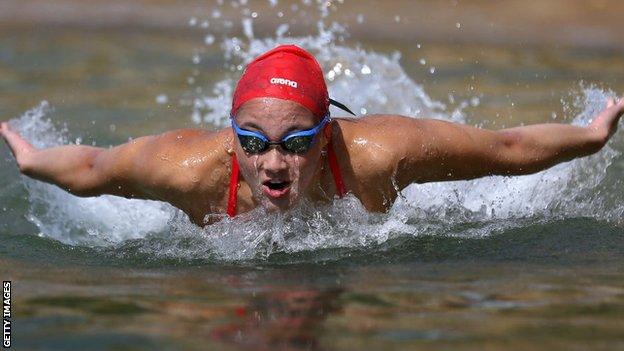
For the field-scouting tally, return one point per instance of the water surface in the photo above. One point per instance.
(516, 263)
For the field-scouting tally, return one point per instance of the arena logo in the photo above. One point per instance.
(284, 81)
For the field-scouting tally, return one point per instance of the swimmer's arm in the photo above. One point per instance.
(440, 151)
(80, 170)
(130, 170)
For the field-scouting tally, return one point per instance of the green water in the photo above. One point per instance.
(554, 284)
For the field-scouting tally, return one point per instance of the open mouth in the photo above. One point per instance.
(275, 189)
(276, 185)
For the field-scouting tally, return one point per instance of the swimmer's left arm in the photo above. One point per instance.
(433, 150)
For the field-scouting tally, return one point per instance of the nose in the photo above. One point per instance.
(274, 161)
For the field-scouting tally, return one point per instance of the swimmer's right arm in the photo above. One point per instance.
(125, 170)
(80, 170)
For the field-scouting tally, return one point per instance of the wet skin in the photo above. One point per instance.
(378, 156)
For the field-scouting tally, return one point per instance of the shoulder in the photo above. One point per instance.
(370, 150)
(379, 140)
(380, 130)
(182, 161)
(181, 143)
(187, 139)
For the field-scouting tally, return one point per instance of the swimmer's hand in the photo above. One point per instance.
(605, 124)
(19, 146)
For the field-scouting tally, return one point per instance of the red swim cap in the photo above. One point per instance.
(287, 72)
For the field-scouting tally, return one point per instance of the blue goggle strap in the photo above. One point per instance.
(249, 133)
(307, 132)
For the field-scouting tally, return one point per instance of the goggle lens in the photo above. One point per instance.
(252, 144)
(298, 144)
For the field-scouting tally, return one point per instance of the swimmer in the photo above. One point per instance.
(283, 146)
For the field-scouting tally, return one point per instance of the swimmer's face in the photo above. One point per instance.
(277, 177)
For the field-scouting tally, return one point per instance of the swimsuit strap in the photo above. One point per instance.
(335, 170)
(231, 207)
(341, 189)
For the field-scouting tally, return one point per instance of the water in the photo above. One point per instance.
(513, 263)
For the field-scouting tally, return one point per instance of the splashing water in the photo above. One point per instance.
(476, 208)
(364, 80)
(82, 221)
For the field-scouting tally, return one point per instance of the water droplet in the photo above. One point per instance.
(457, 25)
(282, 29)
(338, 68)
(255, 164)
(365, 70)
(363, 111)
(248, 28)
(196, 117)
(432, 70)
(209, 39)
(161, 99)
(192, 21)
(422, 62)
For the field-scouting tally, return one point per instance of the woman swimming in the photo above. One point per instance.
(284, 146)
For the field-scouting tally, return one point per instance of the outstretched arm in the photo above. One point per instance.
(81, 170)
(148, 167)
(433, 150)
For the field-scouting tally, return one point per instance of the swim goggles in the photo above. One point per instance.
(298, 142)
